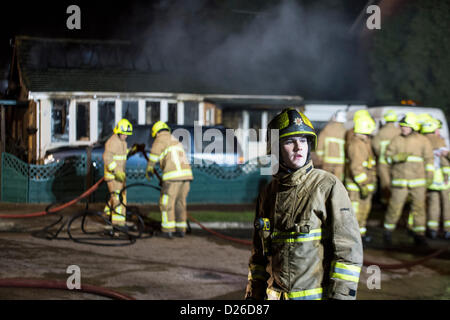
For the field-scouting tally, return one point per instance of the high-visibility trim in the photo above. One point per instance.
(117, 218)
(112, 166)
(153, 157)
(432, 224)
(320, 152)
(350, 186)
(447, 223)
(290, 237)
(366, 164)
(165, 223)
(177, 174)
(383, 147)
(419, 229)
(362, 230)
(412, 183)
(164, 199)
(361, 177)
(108, 175)
(355, 205)
(335, 160)
(389, 226)
(170, 149)
(414, 159)
(181, 224)
(346, 272)
(429, 167)
(311, 294)
(120, 157)
(446, 170)
(410, 219)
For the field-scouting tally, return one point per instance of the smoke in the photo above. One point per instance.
(280, 49)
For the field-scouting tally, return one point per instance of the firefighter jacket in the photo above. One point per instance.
(170, 154)
(382, 140)
(418, 168)
(310, 245)
(114, 156)
(331, 144)
(441, 164)
(361, 164)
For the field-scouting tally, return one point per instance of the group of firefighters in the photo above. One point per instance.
(409, 160)
(175, 181)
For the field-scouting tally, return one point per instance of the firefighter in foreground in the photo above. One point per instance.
(177, 174)
(306, 243)
(411, 158)
(114, 159)
(438, 191)
(360, 176)
(379, 145)
(331, 145)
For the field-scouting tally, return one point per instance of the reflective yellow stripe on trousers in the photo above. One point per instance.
(311, 294)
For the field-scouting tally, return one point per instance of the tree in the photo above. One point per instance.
(410, 55)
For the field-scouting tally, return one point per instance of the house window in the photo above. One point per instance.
(152, 112)
(190, 112)
(172, 113)
(60, 121)
(130, 111)
(106, 113)
(82, 119)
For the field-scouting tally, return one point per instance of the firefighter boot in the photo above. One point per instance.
(420, 241)
(179, 234)
(432, 234)
(447, 235)
(167, 235)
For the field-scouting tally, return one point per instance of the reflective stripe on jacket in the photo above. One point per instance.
(313, 249)
(382, 140)
(331, 143)
(361, 164)
(418, 167)
(114, 156)
(440, 163)
(170, 154)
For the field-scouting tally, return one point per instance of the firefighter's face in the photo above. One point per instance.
(294, 151)
(123, 137)
(405, 130)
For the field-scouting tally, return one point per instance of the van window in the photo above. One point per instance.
(130, 111)
(106, 118)
(60, 121)
(83, 122)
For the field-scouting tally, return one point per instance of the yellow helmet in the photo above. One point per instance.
(429, 126)
(364, 125)
(123, 127)
(361, 113)
(390, 116)
(410, 120)
(158, 126)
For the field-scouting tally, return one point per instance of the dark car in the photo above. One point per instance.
(203, 145)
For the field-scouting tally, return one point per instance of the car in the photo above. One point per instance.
(204, 145)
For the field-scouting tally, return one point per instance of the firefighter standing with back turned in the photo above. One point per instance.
(437, 193)
(177, 174)
(411, 158)
(331, 145)
(306, 242)
(360, 175)
(379, 145)
(114, 159)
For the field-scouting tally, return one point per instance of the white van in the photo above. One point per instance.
(377, 113)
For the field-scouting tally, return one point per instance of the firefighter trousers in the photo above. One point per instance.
(438, 205)
(416, 217)
(118, 216)
(361, 207)
(172, 203)
(384, 175)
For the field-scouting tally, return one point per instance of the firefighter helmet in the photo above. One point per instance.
(291, 122)
(410, 120)
(158, 126)
(364, 125)
(390, 116)
(123, 127)
(361, 113)
(429, 126)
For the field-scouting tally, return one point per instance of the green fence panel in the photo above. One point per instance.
(57, 182)
(14, 179)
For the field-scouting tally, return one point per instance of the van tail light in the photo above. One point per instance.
(241, 160)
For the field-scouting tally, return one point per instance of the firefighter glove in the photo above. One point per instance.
(364, 191)
(149, 173)
(120, 176)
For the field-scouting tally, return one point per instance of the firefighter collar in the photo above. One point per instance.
(296, 177)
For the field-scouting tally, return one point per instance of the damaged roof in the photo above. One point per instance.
(57, 65)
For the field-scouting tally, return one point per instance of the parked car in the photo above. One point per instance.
(203, 145)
